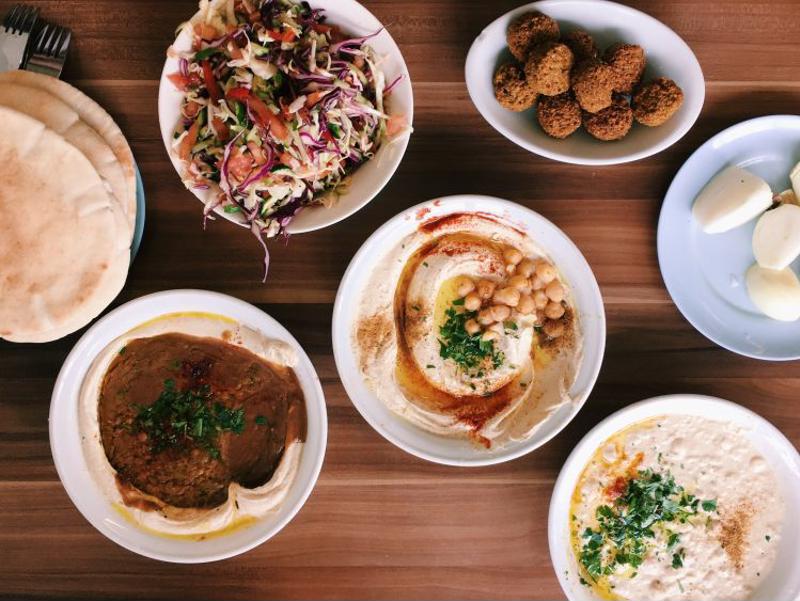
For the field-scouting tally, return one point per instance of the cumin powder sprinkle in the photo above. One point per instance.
(733, 536)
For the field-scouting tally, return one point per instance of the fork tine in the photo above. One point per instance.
(57, 41)
(62, 52)
(33, 16)
(11, 17)
(43, 39)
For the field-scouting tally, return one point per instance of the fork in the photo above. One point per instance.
(14, 34)
(49, 52)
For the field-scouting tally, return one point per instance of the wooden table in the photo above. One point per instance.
(380, 523)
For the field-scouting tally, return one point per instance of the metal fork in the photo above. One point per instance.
(49, 52)
(14, 34)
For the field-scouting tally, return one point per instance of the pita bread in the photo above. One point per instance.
(93, 115)
(63, 120)
(60, 261)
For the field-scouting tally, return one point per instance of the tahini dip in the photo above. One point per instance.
(709, 502)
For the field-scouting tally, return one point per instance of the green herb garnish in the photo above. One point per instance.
(181, 417)
(628, 528)
(231, 208)
(206, 52)
(260, 420)
(469, 351)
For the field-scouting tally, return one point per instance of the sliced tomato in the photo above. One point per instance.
(240, 165)
(221, 129)
(206, 31)
(179, 80)
(395, 124)
(211, 83)
(286, 158)
(240, 94)
(314, 98)
(189, 140)
(258, 153)
(191, 109)
(328, 137)
(282, 36)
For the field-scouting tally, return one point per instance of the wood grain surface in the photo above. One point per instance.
(380, 523)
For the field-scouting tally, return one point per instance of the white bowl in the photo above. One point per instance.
(65, 436)
(608, 22)
(782, 583)
(414, 440)
(372, 176)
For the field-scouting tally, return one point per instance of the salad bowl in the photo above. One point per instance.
(370, 177)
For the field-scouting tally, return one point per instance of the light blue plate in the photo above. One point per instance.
(138, 228)
(705, 273)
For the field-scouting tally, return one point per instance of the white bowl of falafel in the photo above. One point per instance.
(585, 81)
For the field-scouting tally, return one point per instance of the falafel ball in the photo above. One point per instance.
(548, 68)
(582, 45)
(612, 123)
(656, 101)
(628, 62)
(559, 116)
(511, 88)
(593, 84)
(529, 30)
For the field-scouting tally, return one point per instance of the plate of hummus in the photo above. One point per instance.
(188, 426)
(678, 497)
(468, 330)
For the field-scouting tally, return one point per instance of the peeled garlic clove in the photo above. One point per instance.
(732, 198)
(794, 177)
(776, 239)
(776, 293)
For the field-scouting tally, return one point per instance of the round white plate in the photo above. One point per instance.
(561, 251)
(783, 582)
(704, 273)
(608, 22)
(372, 176)
(65, 437)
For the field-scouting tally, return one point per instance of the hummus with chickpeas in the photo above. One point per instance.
(468, 330)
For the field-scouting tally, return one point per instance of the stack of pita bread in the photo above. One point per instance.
(67, 205)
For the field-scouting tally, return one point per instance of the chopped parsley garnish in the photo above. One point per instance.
(260, 420)
(627, 528)
(469, 351)
(180, 417)
(122, 350)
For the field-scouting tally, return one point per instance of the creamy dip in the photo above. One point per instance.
(399, 336)
(728, 513)
(243, 502)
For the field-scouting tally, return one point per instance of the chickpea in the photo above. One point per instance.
(490, 335)
(464, 285)
(554, 310)
(472, 327)
(500, 312)
(497, 327)
(545, 272)
(485, 288)
(526, 304)
(485, 317)
(555, 291)
(526, 268)
(540, 299)
(510, 268)
(537, 283)
(521, 283)
(507, 296)
(512, 256)
(554, 329)
(472, 302)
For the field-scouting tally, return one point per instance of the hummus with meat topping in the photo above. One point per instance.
(193, 424)
(468, 330)
(676, 507)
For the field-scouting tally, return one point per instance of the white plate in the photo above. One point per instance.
(65, 438)
(783, 582)
(372, 176)
(561, 251)
(667, 56)
(704, 273)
